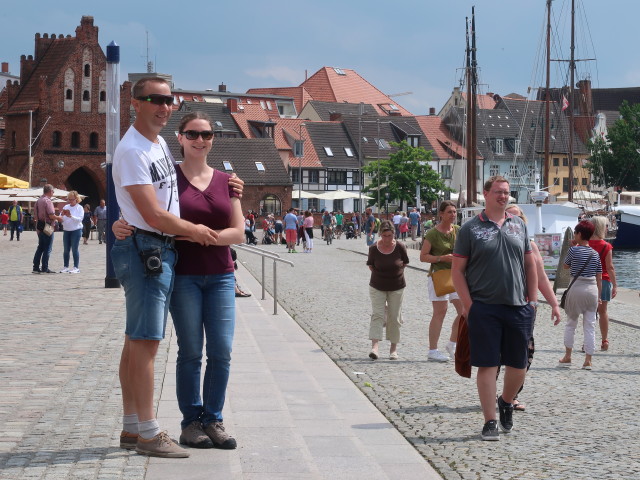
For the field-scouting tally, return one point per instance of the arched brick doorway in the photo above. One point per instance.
(82, 180)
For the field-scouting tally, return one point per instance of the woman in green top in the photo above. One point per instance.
(437, 249)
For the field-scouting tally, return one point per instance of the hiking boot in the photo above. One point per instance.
(193, 436)
(128, 440)
(437, 356)
(160, 446)
(490, 431)
(506, 415)
(219, 437)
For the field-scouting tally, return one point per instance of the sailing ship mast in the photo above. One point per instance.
(547, 99)
(472, 83)
(572, 69)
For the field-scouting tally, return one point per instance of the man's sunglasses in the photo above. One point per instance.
(194, 134)
(157, 99)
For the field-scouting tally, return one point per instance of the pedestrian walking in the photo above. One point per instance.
(583, 297)
(386, 261)
(72, 215)
(609, 279)
(87, 222)
(308, 231)
(4, 221)
(494, 275)
(437, 249)
(100, 220)
(414, 221)
(15, 220)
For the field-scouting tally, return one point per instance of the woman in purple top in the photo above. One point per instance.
(203, 298)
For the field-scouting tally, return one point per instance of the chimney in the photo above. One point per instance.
(232, 105)
(585, 100)
(5, 67)
(432, 110)
(335, 117)
(222, 88)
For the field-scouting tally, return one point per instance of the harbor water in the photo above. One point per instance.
(627, 264)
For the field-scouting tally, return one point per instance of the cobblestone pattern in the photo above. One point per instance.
(60, 343)
(578, 424)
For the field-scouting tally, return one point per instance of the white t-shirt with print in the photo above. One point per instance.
(139, 161)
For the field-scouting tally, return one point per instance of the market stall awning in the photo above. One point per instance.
(11, 182)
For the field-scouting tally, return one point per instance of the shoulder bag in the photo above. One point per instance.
(564, 294)
(442, 281)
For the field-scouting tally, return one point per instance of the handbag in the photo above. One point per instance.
(442, 282)
(48, 229)
(564, 294)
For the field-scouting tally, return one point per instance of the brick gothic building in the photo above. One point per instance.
(64, 86)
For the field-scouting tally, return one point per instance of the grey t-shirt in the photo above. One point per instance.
(495, 269)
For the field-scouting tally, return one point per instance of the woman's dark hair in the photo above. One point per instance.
(189, 117)
(446, 203)
(386, 225)
(585, 228)
(307, 213)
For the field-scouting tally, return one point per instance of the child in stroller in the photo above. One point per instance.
(350, 230)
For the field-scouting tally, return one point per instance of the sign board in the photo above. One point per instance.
(549, 245)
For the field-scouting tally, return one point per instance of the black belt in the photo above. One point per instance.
(163, 238)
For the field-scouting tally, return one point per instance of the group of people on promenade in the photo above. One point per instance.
(491, 272)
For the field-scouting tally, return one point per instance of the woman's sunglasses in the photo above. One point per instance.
(194, 134)
(157, 99)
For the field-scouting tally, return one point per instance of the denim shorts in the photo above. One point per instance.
(500, 334)
(147, 296)
(607, 291)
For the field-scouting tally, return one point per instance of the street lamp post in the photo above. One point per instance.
(386, 196)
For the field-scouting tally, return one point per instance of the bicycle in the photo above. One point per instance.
(328, 234)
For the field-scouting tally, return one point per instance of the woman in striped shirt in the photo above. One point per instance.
(584, 296)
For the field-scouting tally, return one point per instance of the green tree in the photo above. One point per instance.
(400, 173)
(615, 161)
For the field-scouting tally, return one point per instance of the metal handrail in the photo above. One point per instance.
(276, 258)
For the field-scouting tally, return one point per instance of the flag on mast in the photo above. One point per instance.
(565, 103)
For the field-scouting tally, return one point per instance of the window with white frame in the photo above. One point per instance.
(494, 170)
(260, 166)
(328, 151)
(518, 147)
(227, 165)
(499, 146)
(513, 171)
(446, 171)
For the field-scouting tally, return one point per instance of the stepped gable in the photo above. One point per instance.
(330, 84)
(334, 136)
(242, 153)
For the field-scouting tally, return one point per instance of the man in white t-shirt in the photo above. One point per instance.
(396, 223)
(146, 188)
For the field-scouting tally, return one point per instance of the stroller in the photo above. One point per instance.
(350, 231)
(268, 239)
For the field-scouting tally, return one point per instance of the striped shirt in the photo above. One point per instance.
(576, 258)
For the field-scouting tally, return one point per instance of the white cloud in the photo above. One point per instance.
(282, 74)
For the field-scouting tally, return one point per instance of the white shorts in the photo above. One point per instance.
(444, 298)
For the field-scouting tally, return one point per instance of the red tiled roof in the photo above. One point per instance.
(291, 127)
(329, 86)
(444, 145)
(483, 101)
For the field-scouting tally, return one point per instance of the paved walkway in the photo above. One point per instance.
(293, 412)
(578, 424)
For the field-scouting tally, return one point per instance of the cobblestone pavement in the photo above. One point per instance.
(60, 342)
(578, 424)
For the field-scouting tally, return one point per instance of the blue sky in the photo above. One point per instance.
(404, 46)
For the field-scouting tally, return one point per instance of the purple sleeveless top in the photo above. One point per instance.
(211, 207)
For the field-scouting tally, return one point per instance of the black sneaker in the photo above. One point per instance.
(490, 431)
(506, 415)
(36, 270)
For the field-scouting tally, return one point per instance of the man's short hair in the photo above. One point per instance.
(138, 87)
(495, 179)
(47, 188)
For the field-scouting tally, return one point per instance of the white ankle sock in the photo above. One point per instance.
(148, 429)
(130, 423)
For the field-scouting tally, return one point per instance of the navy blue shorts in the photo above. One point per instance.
(499, 334)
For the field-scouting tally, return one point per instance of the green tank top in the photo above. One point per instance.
(441, 244)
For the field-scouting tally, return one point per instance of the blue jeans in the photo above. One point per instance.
(146, 296)
(15, 227)
(70, 241)
(45, 244)
(203, 306)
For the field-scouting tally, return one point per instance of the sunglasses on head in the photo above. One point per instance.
(157, 99)
(194, 134)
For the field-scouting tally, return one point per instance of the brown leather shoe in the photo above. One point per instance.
(160, 446)
(193, 436)
(219, 437)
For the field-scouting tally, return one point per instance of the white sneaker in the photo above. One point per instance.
(451, 350)
(65, 270)
(74, 270)
(438, 356)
